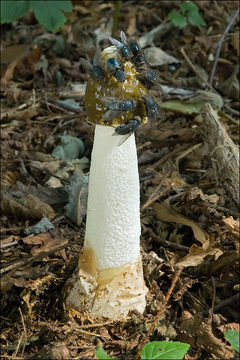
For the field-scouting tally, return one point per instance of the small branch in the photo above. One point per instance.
(3, 246)
(38, 257)
(156, 194)
(167, 243)
(62, 106)
(196, 71)
(220, 42)
(162, 309)
(233, 299)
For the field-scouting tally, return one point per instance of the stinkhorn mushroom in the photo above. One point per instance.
(109, 279)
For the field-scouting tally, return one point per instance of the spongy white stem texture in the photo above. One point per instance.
(113, 214)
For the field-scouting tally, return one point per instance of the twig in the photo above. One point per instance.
(213, 302)
(3, 246)
(220, 42)
(167, 243)
(62, 106)
(162, 309)
(24, 330)
(233, 299)
(17, 348)
(38, 257)
(196, 71)
(156, 194)
(166, 157)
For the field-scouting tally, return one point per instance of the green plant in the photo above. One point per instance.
(189, 13)
(48, 13)
(233, 336)
(157, 350)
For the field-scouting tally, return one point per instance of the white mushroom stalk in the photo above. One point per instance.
(109, 280)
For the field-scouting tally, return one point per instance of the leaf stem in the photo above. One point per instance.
(116, 16)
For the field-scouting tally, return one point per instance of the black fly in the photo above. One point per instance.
(116, 107)
(147, 76)
(114, 68)
(127, 129)
(94, 67)
(132, 51)
(122, 46)
(152, 108)
(138, 55)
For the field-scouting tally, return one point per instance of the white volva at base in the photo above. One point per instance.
(109, 281)
(125, 292)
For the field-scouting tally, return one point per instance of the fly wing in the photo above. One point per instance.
(123, 37)
(86, 65)
(124, 139)
(110, 115)
(116, 43)
(161, 114)
(97, 58)
(155, 114)
(108, 99)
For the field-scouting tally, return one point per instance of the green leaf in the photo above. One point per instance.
(100, 353)
(195, 18)
(188, 6)
(178, 19)
(182, 107)
(164, 350)
(50, 13)
(13, 10)
(233, 337)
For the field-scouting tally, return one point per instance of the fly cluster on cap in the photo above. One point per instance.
(116, 93)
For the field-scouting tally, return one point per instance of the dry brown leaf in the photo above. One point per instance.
(20, 281)
(12, 207)
(39, 208)
(48, 244)
(197, 331)
(233, 225)
(165, 213)
(21, 65)
(8, 240)
(50, 166)
(131, 19)
(175, 181)
(9, 177)
(29, 61)
(235, 42)
(46, 241)
(229, 326)
(6, 283)
(13, 53)
(36, 239)
(8, 74)
(30, 272)
(197, 254)
(224, 261)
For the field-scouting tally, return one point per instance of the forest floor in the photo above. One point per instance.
(188, 174)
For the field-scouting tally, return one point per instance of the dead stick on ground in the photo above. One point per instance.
(220, 45)
(38, 257)
(162, 309)
(195, 70)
